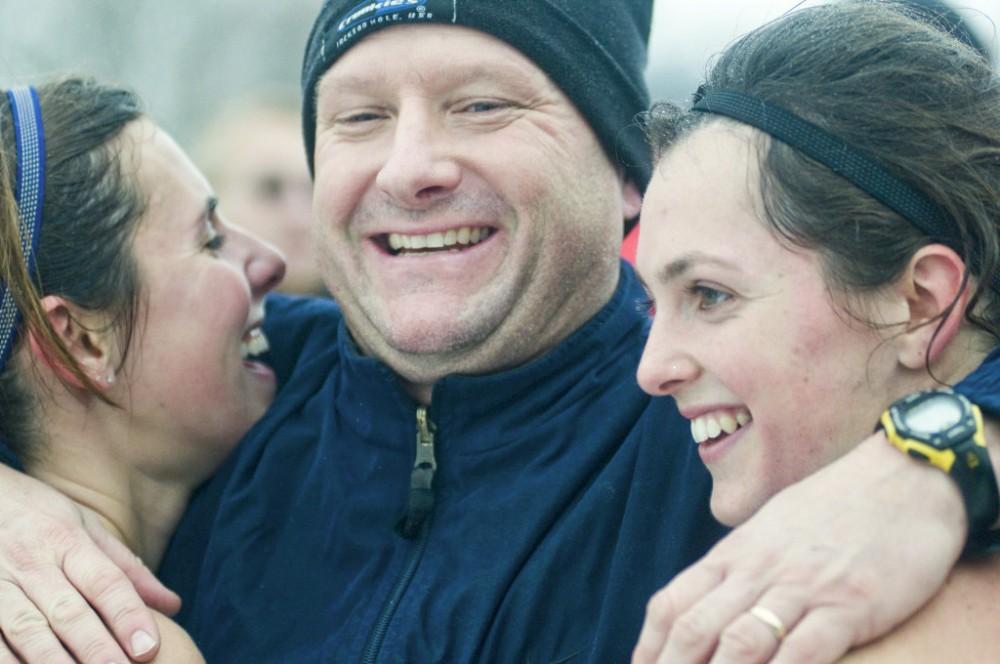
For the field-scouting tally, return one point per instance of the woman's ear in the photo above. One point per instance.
(631, 199)
(936, 290)
(87, 340)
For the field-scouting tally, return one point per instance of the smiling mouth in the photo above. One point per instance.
(254, 343)
(454, 240)
(713, 426)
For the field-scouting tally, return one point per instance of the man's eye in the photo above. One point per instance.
(484, 106)
(357, 118)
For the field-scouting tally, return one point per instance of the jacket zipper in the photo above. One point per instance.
(414, 525)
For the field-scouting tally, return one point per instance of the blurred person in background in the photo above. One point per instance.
(251, 151)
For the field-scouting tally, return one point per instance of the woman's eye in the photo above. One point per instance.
(708, 297)
(215, 240)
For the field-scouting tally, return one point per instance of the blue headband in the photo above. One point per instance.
(29, 192)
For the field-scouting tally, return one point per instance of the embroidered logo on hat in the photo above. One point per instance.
(372, 10)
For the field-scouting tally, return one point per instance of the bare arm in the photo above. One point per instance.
(841, 557)
(176, 645)
(63, 579)
(960, 624)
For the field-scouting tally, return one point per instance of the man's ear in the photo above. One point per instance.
(937, 293)
(631, 199)
(86, 339)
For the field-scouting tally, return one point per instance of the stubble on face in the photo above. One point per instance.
(538, 178)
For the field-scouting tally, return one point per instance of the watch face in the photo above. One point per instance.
(933, 415)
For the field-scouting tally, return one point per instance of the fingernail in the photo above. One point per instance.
(142, 643)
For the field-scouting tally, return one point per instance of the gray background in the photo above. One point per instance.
(189, 57)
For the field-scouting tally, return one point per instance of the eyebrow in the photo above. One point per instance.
(473, 73)
(207, 213)
(211, 203)
(677, 267)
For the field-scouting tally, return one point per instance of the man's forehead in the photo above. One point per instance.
(466, 55)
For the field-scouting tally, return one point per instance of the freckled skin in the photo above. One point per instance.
(778, 345)
(186, 377)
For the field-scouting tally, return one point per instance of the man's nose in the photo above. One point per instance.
(420, 168)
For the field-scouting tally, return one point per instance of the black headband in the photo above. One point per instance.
(857, 168)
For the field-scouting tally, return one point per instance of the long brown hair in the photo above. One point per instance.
(89, 219)
(907, 94)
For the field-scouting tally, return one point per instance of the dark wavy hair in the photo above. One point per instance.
(906, 93)
(90, 214)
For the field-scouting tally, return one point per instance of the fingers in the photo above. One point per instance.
(7, 655)
(821, 637)
(668, 604)
(113, 596)
(26, 631)
(694, 633)
(758, 631)
(149, 588)
(62, 588)
(67, 604)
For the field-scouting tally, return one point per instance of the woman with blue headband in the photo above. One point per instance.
(130, 312)
(822, 237)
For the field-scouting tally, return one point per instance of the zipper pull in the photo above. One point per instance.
(421, 478)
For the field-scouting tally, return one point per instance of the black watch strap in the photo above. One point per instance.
(975, 477)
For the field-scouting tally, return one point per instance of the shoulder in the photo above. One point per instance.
(299, 328)
(982, 386)
(176, 646)
(959, 624)
(296, 315)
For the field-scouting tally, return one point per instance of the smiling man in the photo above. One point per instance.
(459, 465)
(486, 485)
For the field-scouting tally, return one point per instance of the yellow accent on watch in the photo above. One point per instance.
(945, 430)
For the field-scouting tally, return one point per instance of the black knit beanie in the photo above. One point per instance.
(594, 51)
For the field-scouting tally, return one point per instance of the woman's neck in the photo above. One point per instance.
(88, 457)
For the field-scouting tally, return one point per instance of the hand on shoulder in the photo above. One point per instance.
(959, 624)
(176, 645)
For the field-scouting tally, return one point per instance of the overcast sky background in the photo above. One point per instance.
(189, 57)
(686, 34)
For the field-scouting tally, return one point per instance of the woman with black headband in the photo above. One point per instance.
(129, 315)
(821, 237)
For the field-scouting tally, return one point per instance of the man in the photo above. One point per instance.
(459, 466)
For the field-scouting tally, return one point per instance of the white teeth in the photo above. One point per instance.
(254, 343)
(712, 425)
(698, 430)
(452, 238)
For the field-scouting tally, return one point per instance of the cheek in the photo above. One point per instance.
(340, 183)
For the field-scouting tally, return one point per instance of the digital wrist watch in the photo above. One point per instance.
(944, 429)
